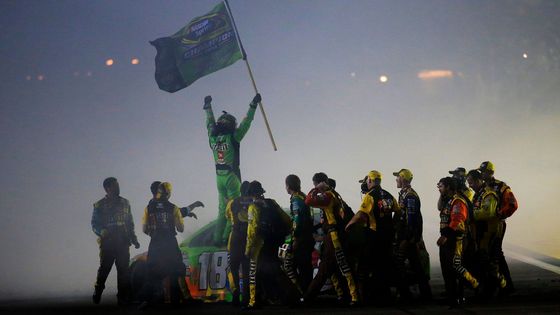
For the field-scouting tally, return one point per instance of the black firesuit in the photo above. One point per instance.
(112, 222)
(161, 221)
(237, 215)
(379, 206)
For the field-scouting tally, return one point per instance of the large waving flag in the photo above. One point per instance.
(205, 45)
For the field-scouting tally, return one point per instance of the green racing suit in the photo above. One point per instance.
(225, 148)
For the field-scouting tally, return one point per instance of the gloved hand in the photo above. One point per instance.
(195, 205)
(207, 102)
(256, 100)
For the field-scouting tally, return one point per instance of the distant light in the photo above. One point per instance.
(134, 61)
(109, 62)
(40, 77)
(88, 74)
(353, 74)
(76, 73)
(525, 56)
(28, 78)
(435, 74)
(383, 79)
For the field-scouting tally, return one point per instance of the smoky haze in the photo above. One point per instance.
(67, 120)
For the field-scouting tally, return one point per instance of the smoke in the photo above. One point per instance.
(328, 111)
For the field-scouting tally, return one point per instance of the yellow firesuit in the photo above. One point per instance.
(256, 241)
(489, 228)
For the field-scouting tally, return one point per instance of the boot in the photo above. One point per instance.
(97, 294)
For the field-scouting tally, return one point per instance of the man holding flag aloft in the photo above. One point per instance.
(208, 43)
(224, 137)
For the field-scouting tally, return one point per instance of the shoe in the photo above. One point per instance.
(454, 303)
(192, 301)
(122, 302)
(250, 307)
(97, 296)
(144, 305)
(235, 300)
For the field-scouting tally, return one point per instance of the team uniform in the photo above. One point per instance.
(489, 228)
(161, 220)
(225, 148)
(112, 222)
(298, 260)
(237, 215)
(379, 206)
(268, 227)
(499, 188)
(409, 236)
(333, 259)
(453, 225)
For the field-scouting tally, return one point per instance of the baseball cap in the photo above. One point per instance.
(405, 174)
(461, 171)
(372, 175)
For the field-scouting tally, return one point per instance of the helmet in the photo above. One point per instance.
(486, 166)
(227, 122)
(164, 190)
(255, 189)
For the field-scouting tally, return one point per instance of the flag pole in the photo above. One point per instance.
(251, 75)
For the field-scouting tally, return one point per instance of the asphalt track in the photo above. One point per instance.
(537, 284)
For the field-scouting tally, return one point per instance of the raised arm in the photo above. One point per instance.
(210, 120)
(245, 124)
(178, 218)
(317, 198)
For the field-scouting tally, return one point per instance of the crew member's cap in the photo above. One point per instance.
(373, 175)
(460, 171)
(255, 189)
(486, 166)
(404, 173)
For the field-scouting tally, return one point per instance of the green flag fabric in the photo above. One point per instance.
(205, 45)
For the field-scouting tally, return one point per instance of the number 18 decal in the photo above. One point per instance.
(213, 270)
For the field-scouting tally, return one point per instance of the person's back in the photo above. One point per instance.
(161, 221)
(268, 227)
(237, 213)
(333, 258)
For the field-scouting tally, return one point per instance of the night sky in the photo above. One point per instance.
(67, 120)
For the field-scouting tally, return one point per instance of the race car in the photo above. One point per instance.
(206, 266)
